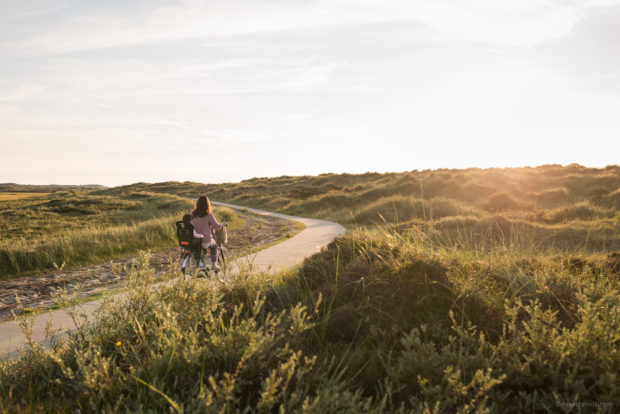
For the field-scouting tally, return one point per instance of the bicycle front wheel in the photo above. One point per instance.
(222, 256)
(223, 260)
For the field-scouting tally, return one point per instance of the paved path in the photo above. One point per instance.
(318, 233)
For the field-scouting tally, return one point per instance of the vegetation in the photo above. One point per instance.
(568, 207)
(504, 303)
(15, 196)
(82, 228)
(30, 188)
(377, 323)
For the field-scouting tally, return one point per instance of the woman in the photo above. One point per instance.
(205, 223)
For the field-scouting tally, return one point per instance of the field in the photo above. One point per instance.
(80, 227)
(16, 196)
(570, 208)
(28, 188)
(504, 298)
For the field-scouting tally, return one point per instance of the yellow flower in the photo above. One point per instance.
(118, 343)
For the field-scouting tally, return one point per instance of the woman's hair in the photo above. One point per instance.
(203, 207)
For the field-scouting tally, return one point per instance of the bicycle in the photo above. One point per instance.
(193, 254)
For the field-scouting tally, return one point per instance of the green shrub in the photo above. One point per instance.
(226, 214)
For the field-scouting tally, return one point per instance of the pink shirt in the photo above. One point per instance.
(206, 225)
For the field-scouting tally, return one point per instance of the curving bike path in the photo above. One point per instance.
(291, 252)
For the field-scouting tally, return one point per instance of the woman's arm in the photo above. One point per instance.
(214, 223)
(198, 235)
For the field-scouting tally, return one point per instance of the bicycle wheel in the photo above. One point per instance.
(190, 264)
(223, 260)
(222, 256)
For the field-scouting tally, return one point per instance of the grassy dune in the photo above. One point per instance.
(508, 302)
(568, 208)
(78, 228)
(515, 192)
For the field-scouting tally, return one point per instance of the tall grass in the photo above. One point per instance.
(92, 245)
(47, 216)
(85, 228)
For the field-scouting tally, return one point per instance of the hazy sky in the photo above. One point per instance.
(115, 92)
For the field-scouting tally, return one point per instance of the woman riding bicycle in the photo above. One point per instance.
(205, 223)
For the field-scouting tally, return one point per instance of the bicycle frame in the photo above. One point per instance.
(190, 263)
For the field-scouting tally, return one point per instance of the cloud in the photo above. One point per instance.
(180, 22)
(265, 81)
(307, 77)
(9, 92)
(588, 56)
(507, 23)
(206, 136)
(8, 109)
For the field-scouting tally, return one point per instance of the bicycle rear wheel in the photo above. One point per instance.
(190, 264)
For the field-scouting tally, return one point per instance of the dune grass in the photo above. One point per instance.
(571, 206)
(92, 245)
(513, 192)
(505, 299)
(82, 228)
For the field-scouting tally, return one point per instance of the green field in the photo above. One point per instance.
(81, 227)
(506, 300)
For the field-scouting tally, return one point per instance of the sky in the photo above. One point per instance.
(115, 92)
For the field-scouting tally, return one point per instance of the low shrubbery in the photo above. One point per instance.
(227, 214)
(375, 323)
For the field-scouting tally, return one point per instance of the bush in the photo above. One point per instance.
(226, 214)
